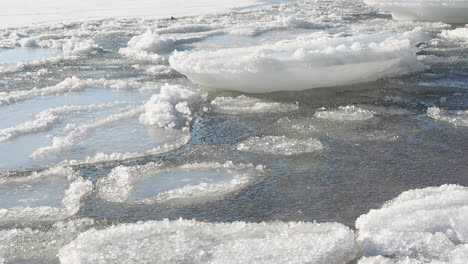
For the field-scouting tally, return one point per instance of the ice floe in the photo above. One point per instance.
(447, 11)
(345, 113)
(188, 183)
(249, 105)
(197, 242)
(33, 245)
(50, 195)
(302, 63)
(419, 226)
(454, 117)
(279, 145)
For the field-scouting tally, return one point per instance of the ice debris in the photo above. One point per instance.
(345, 113)
(279, 145)
(454, 117)
(184, 241)
(249, 105)
(458, 34)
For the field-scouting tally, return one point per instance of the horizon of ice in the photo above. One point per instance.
(419, 226)
(279, 145)
(447, 11)
(197, 242)
(133, 184)
(303, 63)
(28, 212)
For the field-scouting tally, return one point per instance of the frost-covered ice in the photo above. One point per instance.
(345, 113)
(448, 11)
(153, 183)
(277, 145)
(302, 63)
(454, 117)
(249, 105)
(50, 195)
(31, 244)
(419, 226)
(198, 242)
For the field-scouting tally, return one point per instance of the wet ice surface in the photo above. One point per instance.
(100, 100)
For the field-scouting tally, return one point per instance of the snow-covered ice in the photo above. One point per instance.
(198, 242)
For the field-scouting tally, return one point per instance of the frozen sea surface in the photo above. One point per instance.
(294, 132)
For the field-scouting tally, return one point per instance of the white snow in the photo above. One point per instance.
(29, 13)
(454, 117)
(249, 105)
(185, 241)
(279, 145)
(153, 183)
(345, 113)
(447, 11)
(51, 195)
(302, 63)
(419, 226)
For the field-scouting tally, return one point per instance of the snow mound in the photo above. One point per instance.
(447, 11)
(248, 105)
(153, 183)
(279, 145)
(51, 195)
(302, 63)
(454, 117)
(458, 34)
(27, 245)
(419, 226)
(185, 241)
(171, 108)
(345, 113)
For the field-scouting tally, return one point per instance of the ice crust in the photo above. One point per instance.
(447, 11)
(122, 182)
(70, 203)
(30, 244)
(279, 145)
(345, 113)
(302, 63)
(249, 105)
(419, 226)
(454, 117)
(197, 242)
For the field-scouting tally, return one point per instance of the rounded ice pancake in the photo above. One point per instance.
(185, 241)
(154, 183)
(302, 63)
(447, 11)
(279, 145)
(50, 195)
(419, 226)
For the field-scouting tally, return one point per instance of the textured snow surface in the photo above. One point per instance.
(419, 226)
(37, 197)
(153, 183)
(197, 242)
(448, 11)
(302, 63)
(279, 145)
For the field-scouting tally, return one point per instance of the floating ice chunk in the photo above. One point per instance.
(30, 245)
(302, 63)
(196, 242)
(50, 195)
(171, 108)
(345, 113)
(454, 117)
(279, 145)
(460, 34)
(419, 226)
(149, 43)
(152, 183)
(76, 47)
(75, 134)
(447, 11)
(47, 118)
(249, 105)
